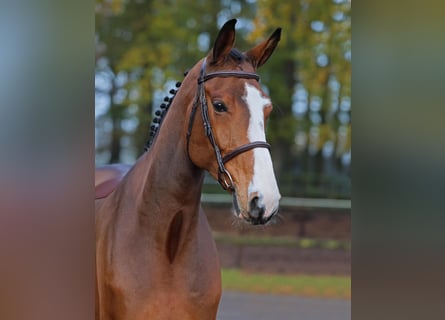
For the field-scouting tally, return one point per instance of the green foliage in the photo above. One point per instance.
(313, 56)
(148, 42)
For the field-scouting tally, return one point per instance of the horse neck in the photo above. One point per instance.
(165, 181)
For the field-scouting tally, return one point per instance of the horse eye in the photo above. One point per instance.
(219, 106)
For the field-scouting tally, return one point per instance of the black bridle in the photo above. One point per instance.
(224, 177)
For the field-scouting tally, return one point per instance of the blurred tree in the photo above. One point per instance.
(145, 43)
(142, 44)
(113, 37)
(309, 81)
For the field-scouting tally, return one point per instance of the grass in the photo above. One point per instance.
(283, 241)
(301, 285)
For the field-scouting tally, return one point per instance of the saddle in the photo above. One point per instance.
(107, 178)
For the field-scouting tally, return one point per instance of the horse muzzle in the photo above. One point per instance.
(256, 211)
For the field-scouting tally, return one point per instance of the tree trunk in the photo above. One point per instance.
(116, 131)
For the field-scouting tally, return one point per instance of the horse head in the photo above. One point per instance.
(228, 138)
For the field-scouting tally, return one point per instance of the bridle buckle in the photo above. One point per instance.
(225, 179)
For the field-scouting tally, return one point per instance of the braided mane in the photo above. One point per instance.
(236, 55)
(160, 115)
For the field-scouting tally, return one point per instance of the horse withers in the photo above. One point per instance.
(155, 255)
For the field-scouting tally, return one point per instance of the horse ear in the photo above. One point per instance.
(261, 53)
(224, 41)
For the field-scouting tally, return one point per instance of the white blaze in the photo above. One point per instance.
(263, 180)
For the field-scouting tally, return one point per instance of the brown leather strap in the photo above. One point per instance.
(244, 148)
(227, 74)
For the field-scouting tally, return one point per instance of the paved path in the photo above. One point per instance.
(247, 306)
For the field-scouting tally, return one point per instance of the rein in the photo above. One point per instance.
(224, 177)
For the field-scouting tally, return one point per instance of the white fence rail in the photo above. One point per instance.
(225, 199)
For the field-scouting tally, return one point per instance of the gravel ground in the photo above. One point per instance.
(248, 306)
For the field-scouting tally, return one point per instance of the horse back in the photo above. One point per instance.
(107, 178)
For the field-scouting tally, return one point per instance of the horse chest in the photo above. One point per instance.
(178, 294)
(148, 286)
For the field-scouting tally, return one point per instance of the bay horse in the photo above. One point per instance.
(155, 255)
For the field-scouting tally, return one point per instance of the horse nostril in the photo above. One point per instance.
(256, 210)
